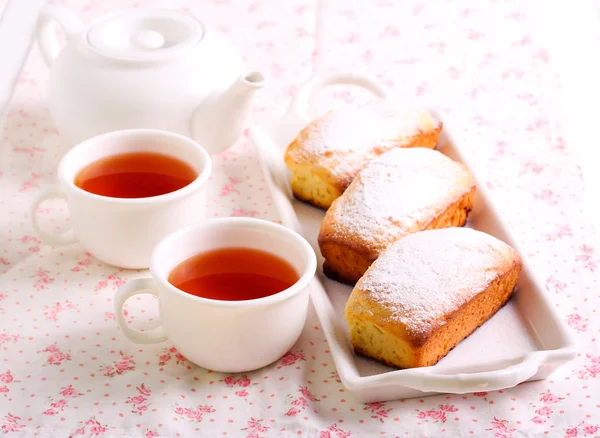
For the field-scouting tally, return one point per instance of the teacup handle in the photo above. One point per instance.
(301, 101)
(131, 288)
(50, 238)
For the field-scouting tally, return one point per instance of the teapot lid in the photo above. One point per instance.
(144, 34)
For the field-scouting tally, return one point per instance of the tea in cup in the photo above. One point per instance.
(233, 293)
(126, 190)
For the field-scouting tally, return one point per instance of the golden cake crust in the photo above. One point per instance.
(329, 152)
(428, 292)
(401, 192)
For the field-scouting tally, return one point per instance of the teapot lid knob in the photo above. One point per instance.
(144, 34)
(149, 39)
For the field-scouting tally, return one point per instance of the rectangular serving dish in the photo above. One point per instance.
(525, 341)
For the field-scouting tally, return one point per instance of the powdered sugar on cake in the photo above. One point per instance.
(357, 133)
(427, 275)
(399, 190)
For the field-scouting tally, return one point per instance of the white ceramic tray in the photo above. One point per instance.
(526, 340)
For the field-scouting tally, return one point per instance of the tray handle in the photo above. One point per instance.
(464, 383)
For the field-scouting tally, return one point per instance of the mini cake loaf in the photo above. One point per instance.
(327, 154)
(428, 292)
(401, 192)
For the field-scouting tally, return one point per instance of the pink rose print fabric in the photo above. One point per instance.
(67, 371)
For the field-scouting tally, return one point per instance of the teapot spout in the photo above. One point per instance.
(253, 79)
(218, 122)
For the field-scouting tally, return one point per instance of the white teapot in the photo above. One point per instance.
(146, 68)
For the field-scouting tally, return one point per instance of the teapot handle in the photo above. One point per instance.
(47, 39)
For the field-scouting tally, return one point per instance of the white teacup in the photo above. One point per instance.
(227, 336)
(124, 231)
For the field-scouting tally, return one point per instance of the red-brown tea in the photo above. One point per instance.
(135, 175)
(233, 274)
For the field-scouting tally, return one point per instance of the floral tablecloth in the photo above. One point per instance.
(65, 368)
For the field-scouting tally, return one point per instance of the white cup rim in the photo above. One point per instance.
(200, 180)
(302, 282)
